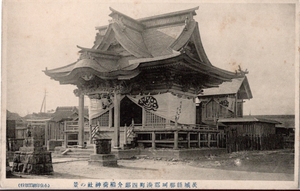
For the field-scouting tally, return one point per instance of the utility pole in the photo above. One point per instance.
(44, 102)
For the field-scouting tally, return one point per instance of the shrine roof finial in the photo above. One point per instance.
(241, 72)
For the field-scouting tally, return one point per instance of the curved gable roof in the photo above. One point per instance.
(148, 41)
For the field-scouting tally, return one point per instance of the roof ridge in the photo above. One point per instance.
(117, 12)
(169, 14)
(140, 20)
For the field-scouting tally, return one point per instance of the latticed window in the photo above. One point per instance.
(154, 120)
(102, 121)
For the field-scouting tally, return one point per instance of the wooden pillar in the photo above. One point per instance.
(188, 137)
(153, 140)
(90, 132)
(110, 118)
(143, 118)
(199, 139)
(81, 120)
(117, 100)
(175, 139)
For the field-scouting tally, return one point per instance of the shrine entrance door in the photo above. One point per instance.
(129, 111)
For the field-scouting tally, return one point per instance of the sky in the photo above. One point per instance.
(38, 34)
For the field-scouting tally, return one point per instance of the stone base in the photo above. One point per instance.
(33, 162)
(103, 160)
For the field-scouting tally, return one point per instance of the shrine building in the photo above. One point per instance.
(143, 77)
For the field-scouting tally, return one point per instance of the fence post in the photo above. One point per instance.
(260, 145)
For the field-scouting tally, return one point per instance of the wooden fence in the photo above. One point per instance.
(255, 142)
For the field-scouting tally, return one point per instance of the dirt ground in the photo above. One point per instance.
(250, 165)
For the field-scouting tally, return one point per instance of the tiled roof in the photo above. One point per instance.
(230, 87)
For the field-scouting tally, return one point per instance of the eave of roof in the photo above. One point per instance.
(134, 67)
(247, 119)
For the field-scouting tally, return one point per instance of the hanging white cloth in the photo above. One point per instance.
(168, 106)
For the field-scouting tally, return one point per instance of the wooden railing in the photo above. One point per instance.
(172, 125)
(202, 135)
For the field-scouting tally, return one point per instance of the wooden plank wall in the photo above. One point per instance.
(252, 136)
(212, 110)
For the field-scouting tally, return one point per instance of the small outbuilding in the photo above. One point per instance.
(251, 133)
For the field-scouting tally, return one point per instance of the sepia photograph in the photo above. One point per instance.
(150, 94)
